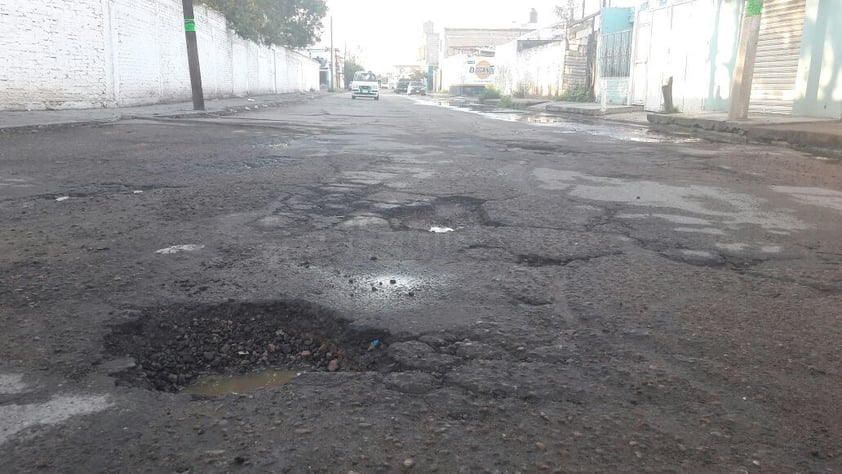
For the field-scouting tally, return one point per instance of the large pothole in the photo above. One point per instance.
(173, 346)
(452, 211)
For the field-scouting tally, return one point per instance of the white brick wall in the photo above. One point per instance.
(53, 54)
(105, 53)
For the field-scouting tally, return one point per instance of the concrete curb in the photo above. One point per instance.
(59, 125)
(231, 110)
(525, 103)
(800, 138)
(591, 111)
(788, 134)
(128, 115)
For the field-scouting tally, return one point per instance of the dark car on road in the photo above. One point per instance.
(416, 87)
(402, 87)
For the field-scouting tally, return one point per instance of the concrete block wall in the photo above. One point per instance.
(544, 66)
(53, 54)
(106, 53)
(537, 70)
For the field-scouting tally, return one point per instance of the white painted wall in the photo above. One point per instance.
(53, 53)
(106, 53)
(537, 70)
(692, 41)
(679, 49)
(458, 70)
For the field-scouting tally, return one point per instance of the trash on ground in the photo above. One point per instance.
(62, 198)
(440, 230)
(180, 248)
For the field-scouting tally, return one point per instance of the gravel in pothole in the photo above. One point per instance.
(173, 346)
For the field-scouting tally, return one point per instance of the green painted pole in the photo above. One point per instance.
(193, 55)
(744, 70)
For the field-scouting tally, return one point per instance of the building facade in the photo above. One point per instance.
(798, 69)
(531, 65)
(467, 59)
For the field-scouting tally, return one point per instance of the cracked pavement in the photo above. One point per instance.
(609, 299)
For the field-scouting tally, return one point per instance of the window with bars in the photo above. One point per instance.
(615, 54)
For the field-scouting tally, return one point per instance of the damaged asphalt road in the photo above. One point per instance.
(602, 303)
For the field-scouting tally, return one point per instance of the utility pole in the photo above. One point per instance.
(332, 58)
(744, 69)
(193, 55)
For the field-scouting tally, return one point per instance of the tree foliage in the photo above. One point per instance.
(348, 70)
(566, 13)
(292, 23)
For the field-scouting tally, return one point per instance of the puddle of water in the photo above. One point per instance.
(733, 247)
(282, 220)
(700, 230)
(382, 286)
(360, 222)
(677, 219)
(14, 183)
(504, 116)
(180, 248)
(625, 133)
(367, 177)
(697, 253)
(220, 385)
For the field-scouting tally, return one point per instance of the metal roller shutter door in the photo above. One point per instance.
(778, 52)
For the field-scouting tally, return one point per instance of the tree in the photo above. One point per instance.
(566, 13)
(292, 23)
(349, 69)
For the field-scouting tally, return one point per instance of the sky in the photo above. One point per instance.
(386, 33)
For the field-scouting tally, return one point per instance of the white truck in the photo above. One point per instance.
(365, 84)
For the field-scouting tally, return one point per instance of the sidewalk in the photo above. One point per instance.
(817, 135)
(821, 136)
(590, 108)
(593, 111)
(59, 118)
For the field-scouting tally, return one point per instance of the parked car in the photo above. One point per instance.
(365, 84)
(416, 87)
(402, 87)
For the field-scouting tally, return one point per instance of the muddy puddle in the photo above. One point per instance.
(385, 286)
(630, 133)
(221, 385)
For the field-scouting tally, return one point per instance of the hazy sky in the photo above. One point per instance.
(388, 32)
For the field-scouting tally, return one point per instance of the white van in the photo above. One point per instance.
(365, 84)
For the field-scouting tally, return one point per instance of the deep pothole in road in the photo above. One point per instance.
(174, 347)
(451, 212)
